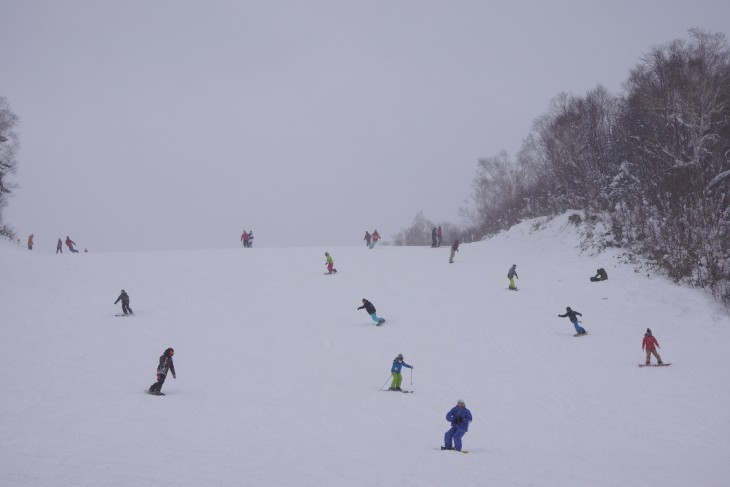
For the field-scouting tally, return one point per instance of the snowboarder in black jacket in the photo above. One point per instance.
(573, 315)
(162, 369)
(600, 275)
(370, 309)
(124, 298)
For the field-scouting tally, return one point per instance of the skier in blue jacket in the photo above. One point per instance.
(460, 417)
(398, 364)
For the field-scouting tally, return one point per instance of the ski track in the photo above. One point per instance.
(278, 373)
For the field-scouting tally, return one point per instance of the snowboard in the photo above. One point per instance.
(460, 451)
(154, 393)
(580, 334)
(379, 322)
(654, 365)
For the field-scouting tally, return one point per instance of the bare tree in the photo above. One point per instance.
(9, 145)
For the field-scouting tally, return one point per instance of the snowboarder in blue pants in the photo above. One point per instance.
(573, 315)
(370, 309)
(460, 417)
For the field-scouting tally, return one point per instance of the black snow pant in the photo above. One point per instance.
(127, 309)
(158, 385)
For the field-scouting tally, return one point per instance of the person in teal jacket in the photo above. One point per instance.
(398, 364)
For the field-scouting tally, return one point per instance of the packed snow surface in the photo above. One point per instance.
(279, 376)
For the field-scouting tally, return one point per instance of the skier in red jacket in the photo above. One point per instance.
(650, 345)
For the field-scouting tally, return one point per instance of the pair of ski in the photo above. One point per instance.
(394, 390)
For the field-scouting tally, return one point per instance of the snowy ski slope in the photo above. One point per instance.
(278, 374)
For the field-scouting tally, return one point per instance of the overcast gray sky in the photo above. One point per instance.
(177, 124)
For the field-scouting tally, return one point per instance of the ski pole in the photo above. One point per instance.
(411, 375)
(386, 381)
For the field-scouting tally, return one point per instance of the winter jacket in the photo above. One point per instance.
(455, 246)
(367, 237)
(59, 244)
(601, 274)
(368, 307)
(572, 315)
(459, 417)
(69, 242)
(512, 272)
(124, 297)
(330, 260)
(244, 236)
(165, 365)
(376, 236)
(649, 343)
(399, 364)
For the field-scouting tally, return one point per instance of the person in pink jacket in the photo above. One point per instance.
(650, 344)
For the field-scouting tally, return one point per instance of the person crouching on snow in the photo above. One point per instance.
(460, 417)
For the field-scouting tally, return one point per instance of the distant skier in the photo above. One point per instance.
(70, 244)
(59, 245)
(573, 315)
(454, 250)
(434, 237)
(511, 274)
(162, 369)
(600, 275)
(398, 364)
(244, 238)
(250, 239)
(124, 298)
(367, 238)
(374, 238)
(370, 309)
(650, 344)
(440, 235)
(460, 417)
(30, 242)
(330, 263)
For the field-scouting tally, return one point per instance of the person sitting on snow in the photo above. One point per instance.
(600, 275)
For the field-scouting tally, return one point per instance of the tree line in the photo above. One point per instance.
(651, 163)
